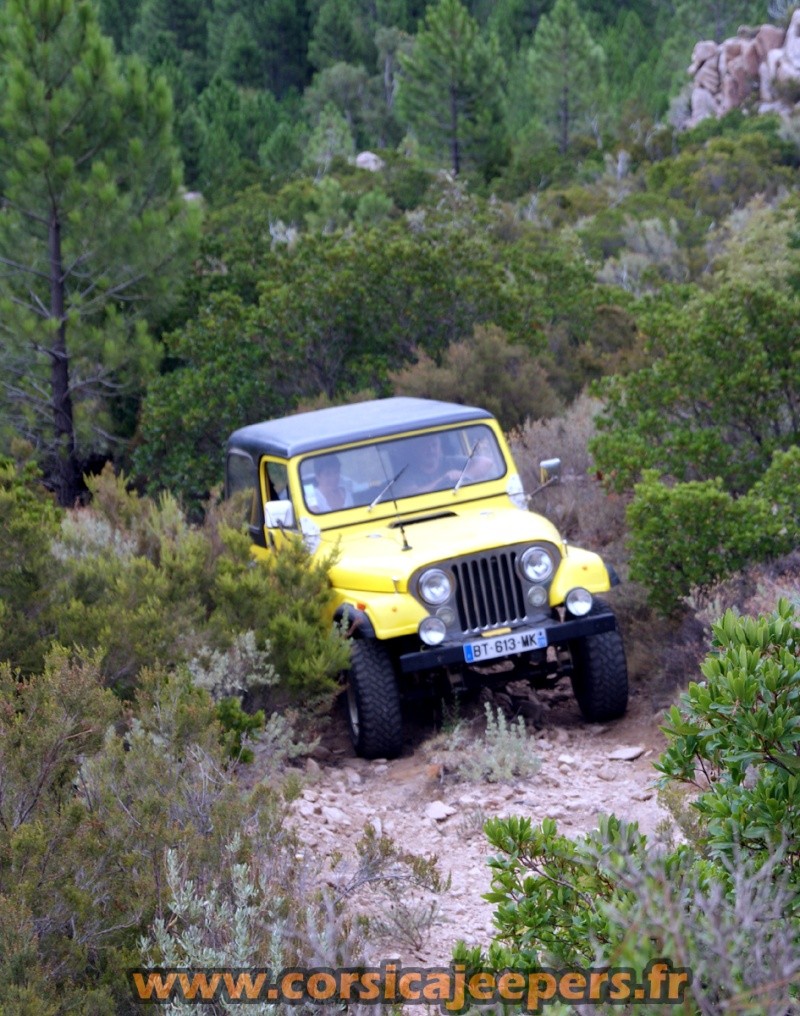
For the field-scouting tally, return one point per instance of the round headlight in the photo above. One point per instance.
(432, 631)
(578, 602)
(435, 587)
(536, 564)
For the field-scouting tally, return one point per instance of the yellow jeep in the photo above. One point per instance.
(441, 571)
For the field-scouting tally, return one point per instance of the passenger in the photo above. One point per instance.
(332, 492)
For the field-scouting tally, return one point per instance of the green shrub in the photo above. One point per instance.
(87, 815)
(549, 888)
(487, 370)
(683, 537)
(734, 739)
(688, 536)
(135, 580)
(718, 395)
(236, 724)
(29, 520)
(725, 172)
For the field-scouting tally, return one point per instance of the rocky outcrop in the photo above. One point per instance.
(759, 67)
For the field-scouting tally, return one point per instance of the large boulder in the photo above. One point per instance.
(370, 161)
(761, 62)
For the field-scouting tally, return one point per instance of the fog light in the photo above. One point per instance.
(447, 614)
(432, 631)
(579, 602)
(537, 596)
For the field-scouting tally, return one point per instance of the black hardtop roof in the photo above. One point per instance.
(361, 421)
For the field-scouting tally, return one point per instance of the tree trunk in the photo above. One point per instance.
(455, 153)
(564, 118)
(67, 469)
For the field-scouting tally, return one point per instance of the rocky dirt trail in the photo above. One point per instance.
(586, 771)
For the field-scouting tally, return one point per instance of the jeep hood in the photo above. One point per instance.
(380, 560)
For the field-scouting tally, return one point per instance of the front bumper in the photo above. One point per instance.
(558, 633)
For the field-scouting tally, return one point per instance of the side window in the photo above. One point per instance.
(241, 484)
(277, 481)
(240, 473)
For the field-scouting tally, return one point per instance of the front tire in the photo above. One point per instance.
(373, 701)
(600, 673)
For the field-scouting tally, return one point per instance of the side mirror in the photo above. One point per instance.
(279, 515)
(549, 471)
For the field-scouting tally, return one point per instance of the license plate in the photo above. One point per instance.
(520, 641)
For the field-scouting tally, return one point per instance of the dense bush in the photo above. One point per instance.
(687, 536)
(130, 579)
(734, 740)
(91, 821)
(271, 324)
(485, 370)
(29, 521)
(725, 171)
(720, 391)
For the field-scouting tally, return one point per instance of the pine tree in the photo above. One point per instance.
(565, 72)
(177, 30)
(268, 50)
(450, 90)
(91, 231)
(515, 21)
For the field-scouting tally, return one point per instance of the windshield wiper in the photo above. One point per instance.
(460, 479)
(388, 486)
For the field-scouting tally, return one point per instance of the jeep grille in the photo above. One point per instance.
(489, 592)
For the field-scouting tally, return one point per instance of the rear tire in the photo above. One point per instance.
(373, 701)
(600, 673)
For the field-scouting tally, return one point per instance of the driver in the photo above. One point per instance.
(430, 469)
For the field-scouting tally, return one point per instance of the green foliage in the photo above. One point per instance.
(688, 536)
(275, 318)
(550, 890)
(722, 174)
(450, 91)
(484, 370)
(236, 724)
(724, 906)
(93, 235)
(565, 66)
(88, 816)
(284, 600)
(720, 394)
(188, 413)
(270, 52)
(233, 125)
(734, 739)
(29, 521)
(130, 579)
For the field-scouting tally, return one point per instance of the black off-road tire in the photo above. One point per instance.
(600, 673)
(373, 701)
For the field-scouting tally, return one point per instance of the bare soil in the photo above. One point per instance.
(427, 811)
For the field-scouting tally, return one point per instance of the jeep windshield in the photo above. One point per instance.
(400, 468)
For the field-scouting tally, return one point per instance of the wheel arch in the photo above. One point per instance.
(356, 623)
